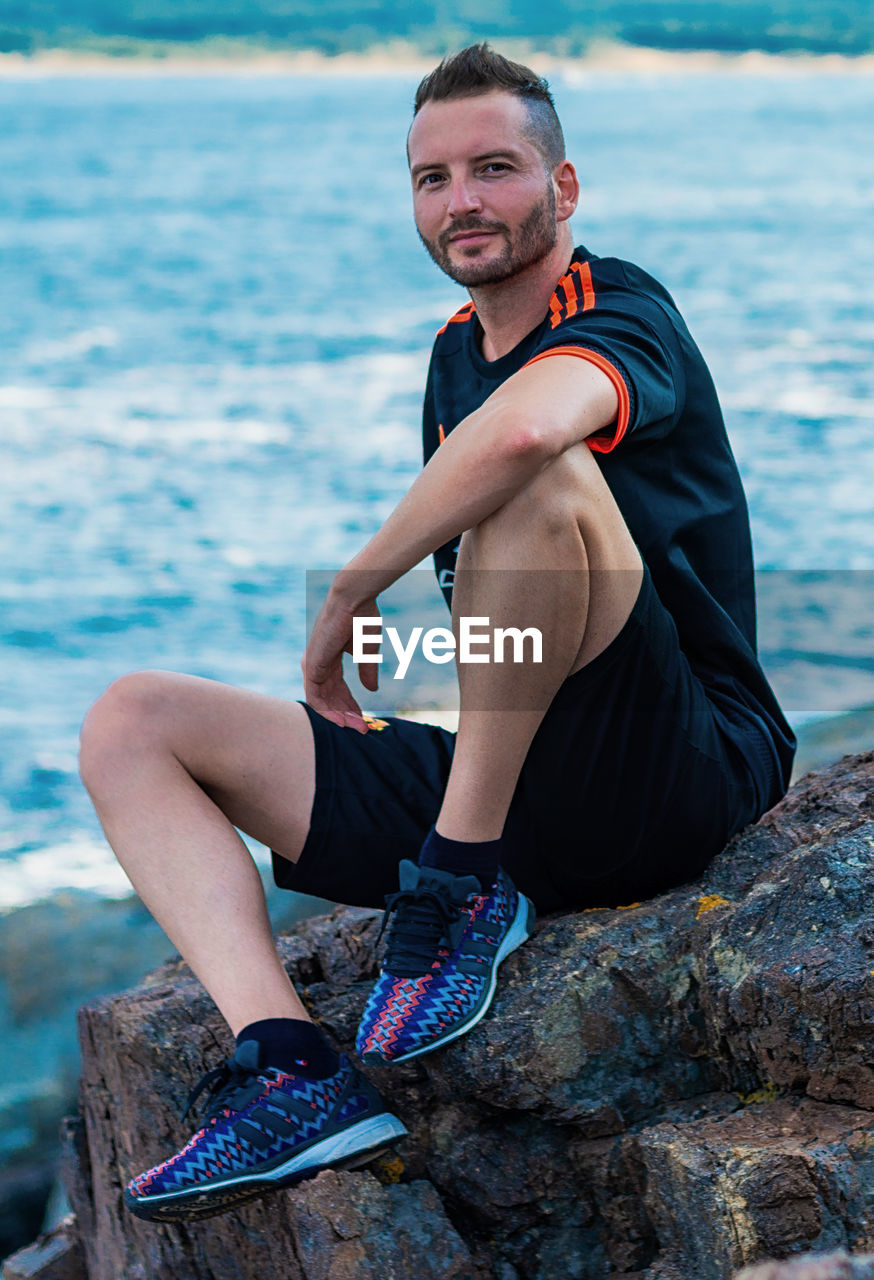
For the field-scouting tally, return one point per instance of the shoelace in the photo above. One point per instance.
(424, 917)
(226, 1085)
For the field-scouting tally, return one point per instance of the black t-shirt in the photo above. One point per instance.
(666, 459)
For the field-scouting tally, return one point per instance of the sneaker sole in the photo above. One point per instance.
(518, 932)
(348, 1149)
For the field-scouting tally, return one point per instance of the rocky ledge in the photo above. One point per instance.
(671, 1090)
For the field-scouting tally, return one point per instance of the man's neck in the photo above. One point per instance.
(510, 310)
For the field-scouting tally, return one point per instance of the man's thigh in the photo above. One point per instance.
(376, 796)
(631, 785)
(251, 753)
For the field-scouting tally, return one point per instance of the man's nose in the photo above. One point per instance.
(463, 198)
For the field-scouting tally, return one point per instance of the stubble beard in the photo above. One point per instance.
(534, 239)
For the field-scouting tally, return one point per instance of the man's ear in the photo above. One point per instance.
(567, 190)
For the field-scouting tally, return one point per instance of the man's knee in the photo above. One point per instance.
(126, 716)
(568, 496)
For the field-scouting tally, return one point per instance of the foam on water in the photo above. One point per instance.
(82, 862)
(29, 398)
(77, 344)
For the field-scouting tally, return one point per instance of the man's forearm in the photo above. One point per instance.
(481, 464)
(531, 419)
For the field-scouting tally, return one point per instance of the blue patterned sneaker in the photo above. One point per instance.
(264, 1129)
(444, 947)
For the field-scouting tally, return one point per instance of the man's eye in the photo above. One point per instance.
(497, 166)
(429, 179)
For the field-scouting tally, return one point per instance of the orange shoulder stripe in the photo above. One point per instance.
(585, 274)
(600, 442)
(555, 307)
(571, 294)
(577, 287)
(462, 315)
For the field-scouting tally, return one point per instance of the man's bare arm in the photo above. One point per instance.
(531, 419)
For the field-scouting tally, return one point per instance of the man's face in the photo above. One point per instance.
(483, 202)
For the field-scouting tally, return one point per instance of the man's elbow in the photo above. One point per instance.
(530, 443)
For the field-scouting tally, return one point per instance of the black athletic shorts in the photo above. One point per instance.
(634, 781)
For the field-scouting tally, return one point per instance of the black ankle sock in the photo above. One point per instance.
(462, 857)
(292, 1045)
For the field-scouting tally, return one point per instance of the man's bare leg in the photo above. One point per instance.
(172, 764)
(567, 522)
(558, 557)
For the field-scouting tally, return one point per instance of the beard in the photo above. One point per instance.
(531, 242)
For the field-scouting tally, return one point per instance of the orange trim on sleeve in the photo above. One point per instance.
(441, 434)
(599, 442)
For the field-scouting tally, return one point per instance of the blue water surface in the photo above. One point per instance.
(215, 335)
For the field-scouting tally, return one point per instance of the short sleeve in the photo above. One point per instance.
(625, 331)
(430, 426)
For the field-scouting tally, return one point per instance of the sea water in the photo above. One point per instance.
(215, 332)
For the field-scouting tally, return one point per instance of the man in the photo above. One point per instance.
(578, 479)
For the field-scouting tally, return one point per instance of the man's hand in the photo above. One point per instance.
(324, 687)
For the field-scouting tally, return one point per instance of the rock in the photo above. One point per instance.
(56, 1256)
(763, 1181)
(670, 1090)
(348, 1227)
(825, 1266)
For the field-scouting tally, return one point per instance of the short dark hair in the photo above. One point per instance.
(478, 69)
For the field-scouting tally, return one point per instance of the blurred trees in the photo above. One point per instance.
(334, 26)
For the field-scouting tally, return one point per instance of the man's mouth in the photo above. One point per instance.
(472, 238)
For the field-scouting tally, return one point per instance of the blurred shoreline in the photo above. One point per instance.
(402, 59)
